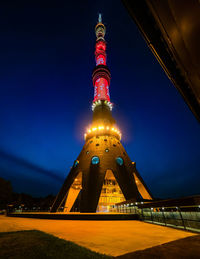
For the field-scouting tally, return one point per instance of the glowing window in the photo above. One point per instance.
(101, 89)
(106, 150)
(101, 60)
(76, 162)
(119, 160)
(87, 152)
(95, 160)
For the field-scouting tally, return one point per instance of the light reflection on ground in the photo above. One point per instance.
(109, 237)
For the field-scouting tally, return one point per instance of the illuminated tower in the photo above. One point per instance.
(103, 174)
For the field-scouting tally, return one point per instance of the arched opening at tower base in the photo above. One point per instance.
(73, 193)
(110, 193)
(142, 189)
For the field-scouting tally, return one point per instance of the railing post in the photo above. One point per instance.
(142, 215)
(164, 216)
(151, 215)
(179, 210)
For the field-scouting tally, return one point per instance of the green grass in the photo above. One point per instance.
(36, 244)
(188, 248)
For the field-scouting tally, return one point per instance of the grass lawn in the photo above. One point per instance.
(188, 248)
(36, 244)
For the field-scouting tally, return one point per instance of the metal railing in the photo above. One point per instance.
(184, 217)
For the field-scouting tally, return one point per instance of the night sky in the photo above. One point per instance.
(46, 91)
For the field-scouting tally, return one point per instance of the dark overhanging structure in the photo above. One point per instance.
(171, 30)
(103, 174)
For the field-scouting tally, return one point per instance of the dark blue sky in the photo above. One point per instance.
(47, 57)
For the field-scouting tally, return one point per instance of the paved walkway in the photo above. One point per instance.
(107, 237)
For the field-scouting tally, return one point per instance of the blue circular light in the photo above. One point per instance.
(95, 160)
(76, 162)
(119, 160)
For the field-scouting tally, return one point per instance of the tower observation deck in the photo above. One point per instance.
(103, 174)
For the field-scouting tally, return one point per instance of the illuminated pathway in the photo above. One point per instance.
(109, 237)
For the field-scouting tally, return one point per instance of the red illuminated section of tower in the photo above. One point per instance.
(101, 74)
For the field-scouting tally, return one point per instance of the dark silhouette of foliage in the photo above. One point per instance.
(5, 193)
(12, 200)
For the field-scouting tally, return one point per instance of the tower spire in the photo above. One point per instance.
(100, 18)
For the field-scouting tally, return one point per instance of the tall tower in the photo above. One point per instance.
(103, 174)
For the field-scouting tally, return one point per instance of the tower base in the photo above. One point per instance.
(102, 176)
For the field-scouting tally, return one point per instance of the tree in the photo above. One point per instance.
(5, 193)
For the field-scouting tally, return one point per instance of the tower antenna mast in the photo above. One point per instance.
(100, 18)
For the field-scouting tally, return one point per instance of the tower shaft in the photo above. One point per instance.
(101, 73)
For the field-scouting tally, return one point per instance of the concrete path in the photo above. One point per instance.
(107, 237)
